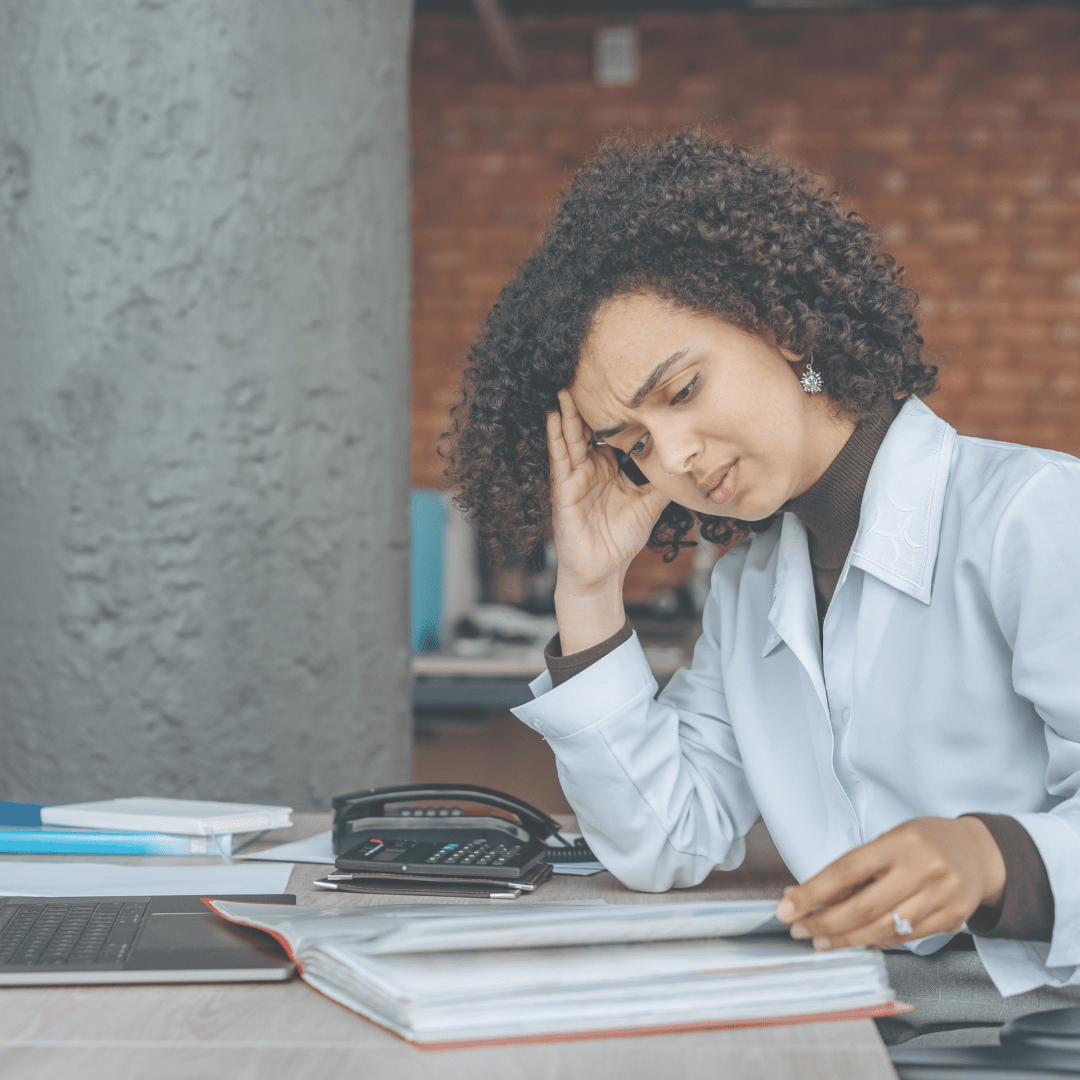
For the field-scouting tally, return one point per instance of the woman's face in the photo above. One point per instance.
(714, 416)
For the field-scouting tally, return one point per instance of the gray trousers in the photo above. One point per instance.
(956, 1004)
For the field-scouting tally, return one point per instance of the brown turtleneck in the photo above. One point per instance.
(830, 509)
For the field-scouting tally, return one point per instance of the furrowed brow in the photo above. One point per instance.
(658, 372)
(608, 432)
(645, 389)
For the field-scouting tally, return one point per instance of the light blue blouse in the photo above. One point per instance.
(948, 681)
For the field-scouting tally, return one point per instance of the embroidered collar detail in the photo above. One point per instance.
(900, 521)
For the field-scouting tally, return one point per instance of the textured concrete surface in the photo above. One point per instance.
(203, 398)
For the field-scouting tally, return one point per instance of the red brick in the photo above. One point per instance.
(966, 168)
(1052, 258)
(995, 407)
(1009, 382)
(1017, 332)
(1049, 309)
(952, 333)
(1061, 209)
(977, 307)
(954, 232)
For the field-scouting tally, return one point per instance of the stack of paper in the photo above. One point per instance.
(106, 879)
(133, 826)
(186, 817)
(451, 976)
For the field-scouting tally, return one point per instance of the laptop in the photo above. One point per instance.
(63, 940)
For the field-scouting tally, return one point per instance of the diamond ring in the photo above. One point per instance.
(903, 926)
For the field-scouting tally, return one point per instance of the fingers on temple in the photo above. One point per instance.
(574, 429)
(557, 451)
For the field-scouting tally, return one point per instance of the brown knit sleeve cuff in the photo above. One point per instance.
(563, 668)
(1027, 909)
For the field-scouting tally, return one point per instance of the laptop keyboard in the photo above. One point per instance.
(91, 934)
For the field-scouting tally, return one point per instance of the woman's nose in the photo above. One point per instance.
(676, 451)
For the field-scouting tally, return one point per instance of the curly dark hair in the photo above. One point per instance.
(713, 228)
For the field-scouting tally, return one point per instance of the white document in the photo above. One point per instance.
(187, 817)
(109, 879)
(315, 849)
(440, 927)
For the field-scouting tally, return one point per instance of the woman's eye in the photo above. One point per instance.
(639, 447)
(684, 393)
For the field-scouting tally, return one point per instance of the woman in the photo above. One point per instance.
(887, 670)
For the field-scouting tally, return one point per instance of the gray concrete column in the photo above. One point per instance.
(204, 376)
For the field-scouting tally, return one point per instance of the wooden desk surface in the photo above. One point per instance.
(262, 1032)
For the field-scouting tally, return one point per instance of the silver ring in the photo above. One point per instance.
(903, 926)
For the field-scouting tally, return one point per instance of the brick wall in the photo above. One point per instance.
(955, 133)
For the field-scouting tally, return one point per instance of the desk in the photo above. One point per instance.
(262, 1032)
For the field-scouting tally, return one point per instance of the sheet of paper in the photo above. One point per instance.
(315, 849)
(534, 925)
(110, 879)
(452, 928)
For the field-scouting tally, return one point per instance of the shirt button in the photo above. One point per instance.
(847, 715)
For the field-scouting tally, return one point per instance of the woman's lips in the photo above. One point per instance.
(726, 488)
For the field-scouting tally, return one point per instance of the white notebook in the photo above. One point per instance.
(187, 817)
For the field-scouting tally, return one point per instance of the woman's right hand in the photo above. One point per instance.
(601, 519)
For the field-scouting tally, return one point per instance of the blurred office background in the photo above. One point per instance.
(955, 130)
(210, 528)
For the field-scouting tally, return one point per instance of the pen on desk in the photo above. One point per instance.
(434, 880)
(326, 884)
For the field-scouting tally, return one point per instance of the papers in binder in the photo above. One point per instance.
(464, 975)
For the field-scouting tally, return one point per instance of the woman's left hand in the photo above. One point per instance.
(932, 872)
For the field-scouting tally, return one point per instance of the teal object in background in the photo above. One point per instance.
(428, 519)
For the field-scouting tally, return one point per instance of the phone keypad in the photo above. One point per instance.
(476, 853)
(443, 852)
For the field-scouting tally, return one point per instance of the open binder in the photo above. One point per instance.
(447, 977)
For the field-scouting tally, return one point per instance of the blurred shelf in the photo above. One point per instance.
(447, 684)
(447, 665)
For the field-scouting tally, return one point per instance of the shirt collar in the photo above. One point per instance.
(900, 520)
(830, 508)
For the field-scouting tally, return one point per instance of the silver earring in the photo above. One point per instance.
(810, 380)
(669, 474)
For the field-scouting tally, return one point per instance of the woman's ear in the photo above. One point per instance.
(790, 357)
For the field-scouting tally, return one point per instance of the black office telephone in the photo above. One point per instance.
(441, 840)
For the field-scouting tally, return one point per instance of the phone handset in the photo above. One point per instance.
(628, 466)
(365, 809)
(371, 804)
